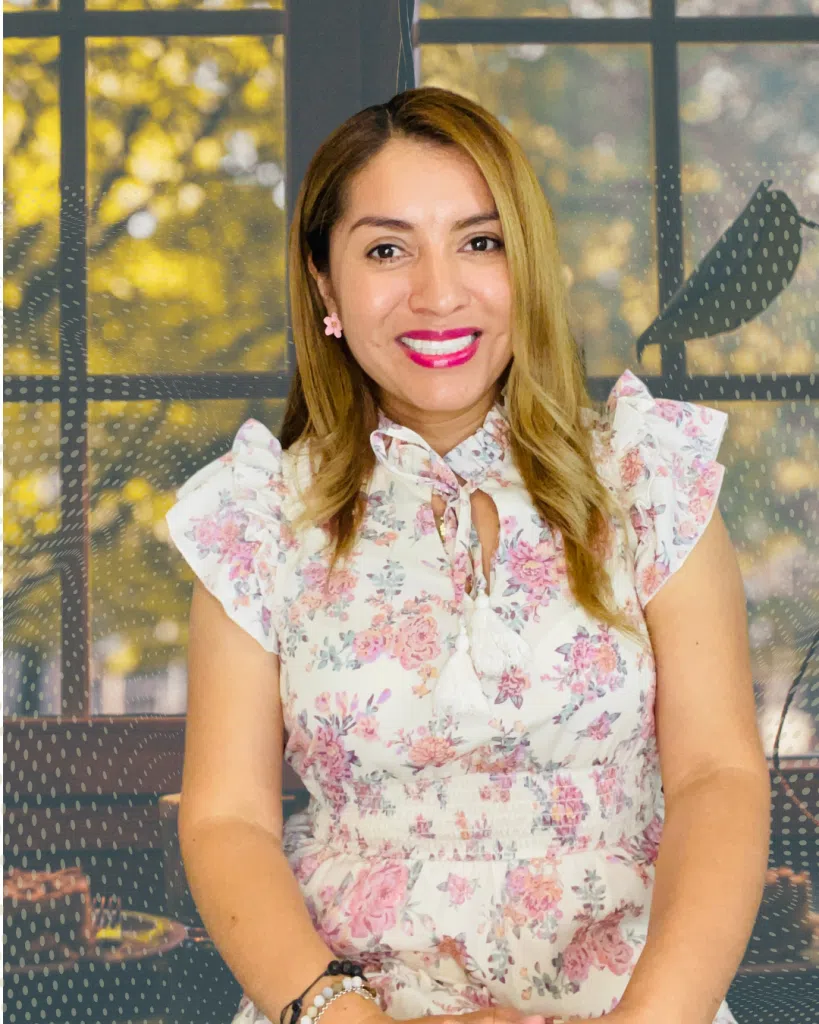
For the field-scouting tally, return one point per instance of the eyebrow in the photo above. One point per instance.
(404, 225)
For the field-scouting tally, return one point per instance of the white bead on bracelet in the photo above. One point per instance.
(330, 994)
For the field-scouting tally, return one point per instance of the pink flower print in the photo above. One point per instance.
(208, 532)
(322, 703)
(576, 959)
(424, 520)
(600, 728)
(434, 750)
(314, 576)
(459, 889)
(608, 947)
(417, 641)
(422, 827)
(610, 790)
(341, 586)
(567, 808)
(312, 601)
(532, 568)
(583, 653)
(454, 948)
(649, 839)
(306, 866)
(438, 473)
(461, 574)
(372, 903)
(370, 644)
(699, 507)
(632, 467)
(366, 727)
(688, 528)
(669, 411)
(327, 751)
(532, 893)
(605, 659)
(513, 683)
(651, 578)
(482, 999)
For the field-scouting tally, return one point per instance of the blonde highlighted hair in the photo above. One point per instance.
(333, 404)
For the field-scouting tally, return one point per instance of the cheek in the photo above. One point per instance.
(370, 303)
(493, 292)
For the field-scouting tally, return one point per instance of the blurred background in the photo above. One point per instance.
(153, 150)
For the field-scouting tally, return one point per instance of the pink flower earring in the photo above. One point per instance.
(333, 325)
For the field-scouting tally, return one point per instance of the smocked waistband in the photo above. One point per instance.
(481, 816)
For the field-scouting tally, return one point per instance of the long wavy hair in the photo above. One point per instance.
(333, 403)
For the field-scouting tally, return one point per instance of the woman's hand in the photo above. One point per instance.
(490, 1015)
(506, 1015)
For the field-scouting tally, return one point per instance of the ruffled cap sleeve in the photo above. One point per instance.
(227, 523)
(669, 479)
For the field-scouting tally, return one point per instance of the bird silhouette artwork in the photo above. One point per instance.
(753, 261)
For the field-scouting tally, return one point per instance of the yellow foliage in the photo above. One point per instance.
(124, 659)
(124, 196)
(47, 522)
(700, 178)
(796, 475)
(136, 489)
(12, 294)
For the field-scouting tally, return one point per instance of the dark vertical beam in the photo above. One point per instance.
(380, 43)
(322, 89)
(74, 548)
(668, 193)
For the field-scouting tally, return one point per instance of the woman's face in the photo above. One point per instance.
(427, 273)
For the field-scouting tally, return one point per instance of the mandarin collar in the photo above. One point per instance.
(406, 453)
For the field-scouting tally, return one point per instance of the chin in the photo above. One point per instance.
(447, 397)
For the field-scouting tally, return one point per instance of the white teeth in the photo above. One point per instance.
(442, 348)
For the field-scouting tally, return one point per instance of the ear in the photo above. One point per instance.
(323, 285)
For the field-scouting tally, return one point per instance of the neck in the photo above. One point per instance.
(442, 431)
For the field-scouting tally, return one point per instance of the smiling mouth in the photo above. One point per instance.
(439, 348)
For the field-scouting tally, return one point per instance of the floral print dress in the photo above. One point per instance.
(501, 857)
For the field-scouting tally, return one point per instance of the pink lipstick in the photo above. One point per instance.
(440, 350)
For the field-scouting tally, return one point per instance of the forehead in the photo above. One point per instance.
(418, 180)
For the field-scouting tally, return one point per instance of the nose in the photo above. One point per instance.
(437, 284)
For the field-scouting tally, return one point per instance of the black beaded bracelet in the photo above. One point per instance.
(335, 967)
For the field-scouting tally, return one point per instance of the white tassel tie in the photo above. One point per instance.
(458, 689)
(495, 646)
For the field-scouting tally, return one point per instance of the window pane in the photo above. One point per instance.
(31, 577)
(186, 204)
(535, 8)
(140, 585)
(769, 502)
(691, 8)
(31, 204)
(30, 5)
(176, 5)
(749, 112)
(593, 162)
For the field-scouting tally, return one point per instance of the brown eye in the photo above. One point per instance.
(486, 238)
(383, 245)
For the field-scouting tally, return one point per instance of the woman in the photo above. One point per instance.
(474, 590)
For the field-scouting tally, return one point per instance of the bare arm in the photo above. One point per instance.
(230, 821)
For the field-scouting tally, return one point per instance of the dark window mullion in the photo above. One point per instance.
(74, 546)
(668, 183)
